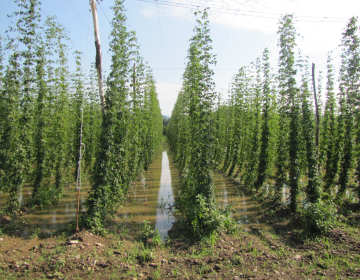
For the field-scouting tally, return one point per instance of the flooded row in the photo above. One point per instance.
(151, 197)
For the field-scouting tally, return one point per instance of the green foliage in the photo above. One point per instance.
(329, 135)
(145, 255)
(289, 91)
(11, 164)
(262, 135)
(253, 155)
(349, 86)
(19, 149)
(42, 103)
(308, 134)
(320, 217)
(265, 149)
(206, 218)
(191, 136)
(148, 233)
(131, 128)
(357, 149)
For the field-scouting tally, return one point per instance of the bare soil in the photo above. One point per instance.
(281, 252)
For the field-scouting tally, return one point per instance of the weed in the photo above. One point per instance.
(210, 239)
(282, 252)
(149, 233)
(156, 274)
(248, 247)
(311, 255)
(320, 217)
(255, 252)
(36, 233)
(122, 230)
(237, 260)
(145, 255)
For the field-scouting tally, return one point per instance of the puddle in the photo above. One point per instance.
(150, 198)
(245, 210)
(47, 221)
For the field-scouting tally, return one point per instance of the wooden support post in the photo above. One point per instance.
(316, 108)
(98, 55)
(77, 213)
(134, 81)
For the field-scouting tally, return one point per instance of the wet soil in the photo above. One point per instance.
(275, 253)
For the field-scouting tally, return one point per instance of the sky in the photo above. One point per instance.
(240, 30)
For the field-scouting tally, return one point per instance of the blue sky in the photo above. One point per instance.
(240, 30)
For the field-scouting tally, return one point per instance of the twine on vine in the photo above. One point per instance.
(81, 153)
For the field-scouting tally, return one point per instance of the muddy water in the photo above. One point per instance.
(150, 198)
(245, 211)
(47, 221)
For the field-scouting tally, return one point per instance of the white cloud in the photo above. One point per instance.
(246, 9)
(320, 35)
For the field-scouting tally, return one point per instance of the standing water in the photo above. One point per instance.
(47, 221)
(151, 197)
(245, 211)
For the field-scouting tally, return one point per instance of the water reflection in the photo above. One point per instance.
(245, 210)
(47, 221)
(151, 197)
(164, 217)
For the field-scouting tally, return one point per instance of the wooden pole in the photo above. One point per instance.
(77, 213)
(134, 81)
(316, 107)
(98, 55)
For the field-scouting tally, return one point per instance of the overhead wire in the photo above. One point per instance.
(325, 54)
(77, 13)
(313, 28)
(162, 42)
(193, 6)
(318, 46)
(227, 33)
(272, 40)
(315, 47)
(234, 11)
(20, 6)
(225, 10)
(331, 59)
(104, 13)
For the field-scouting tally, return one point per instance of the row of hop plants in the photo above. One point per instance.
(40, 108)
(264, 134)
(40, 115)
(267, 128)
(131, 129)
(191, 138)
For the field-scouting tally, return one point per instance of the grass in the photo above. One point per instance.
(249, 253)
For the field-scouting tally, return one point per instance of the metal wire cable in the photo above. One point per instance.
(81, 153)
(78, 179)
(233, 11)
(162, 43)
(104, 13)
(76, 12)
(228, 32)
